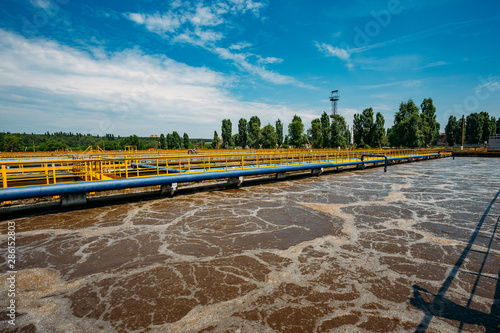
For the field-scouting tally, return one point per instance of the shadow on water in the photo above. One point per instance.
(437, 305)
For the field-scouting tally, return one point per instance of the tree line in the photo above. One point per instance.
(413, 127)
(77, 141)
(323, 133)
(478, 128)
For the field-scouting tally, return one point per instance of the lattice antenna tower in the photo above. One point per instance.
(334, 98)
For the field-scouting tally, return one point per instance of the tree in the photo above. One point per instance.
(132, 140)
(185, 141)
(53, 145)
(368, 126)
(163, 142)
(357, 128)
(363, 127)
(406, 130)
(473, 128)
(242, 132)
(170, 141)
(215, 141)
(2, 140)
(452, 131)
(269, 138)
(226, 132)
(325, 129)
(378, 132)
(430, 127)
(176, 140)
(13, 143)
(315, 133)
(279, 132)
(253, 139)
(338, 132)
(498, 126)
(295, 132)
(489, 126)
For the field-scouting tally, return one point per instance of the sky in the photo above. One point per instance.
(148, 67)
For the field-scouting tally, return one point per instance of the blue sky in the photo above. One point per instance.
(150, 67)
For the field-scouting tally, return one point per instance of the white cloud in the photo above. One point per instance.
(241, 60)
(333, 51)
(269, 60)
(239, 46)
(206, 16)
(435, 64)
(184, 24)
(158, 23)
(60, 88)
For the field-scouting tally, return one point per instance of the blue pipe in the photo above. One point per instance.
(375, 155)
(17, 193)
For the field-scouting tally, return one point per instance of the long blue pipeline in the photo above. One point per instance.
(17, 193)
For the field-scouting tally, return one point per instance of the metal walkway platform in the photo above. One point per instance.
(32, 178)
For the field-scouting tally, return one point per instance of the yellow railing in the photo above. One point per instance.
(46, 171)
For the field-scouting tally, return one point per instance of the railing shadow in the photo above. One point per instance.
(436, 305)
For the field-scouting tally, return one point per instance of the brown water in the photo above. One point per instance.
(341, 252)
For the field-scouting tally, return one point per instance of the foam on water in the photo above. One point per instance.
(338, 252)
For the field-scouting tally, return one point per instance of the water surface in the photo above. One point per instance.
(340, 252)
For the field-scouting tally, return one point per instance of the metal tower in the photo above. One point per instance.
(334, 97)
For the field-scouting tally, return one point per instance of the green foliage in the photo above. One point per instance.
(363, 127)
(453, 131)
(407, 131)
(2, 140)
(79, 141)
(242, 132)
(279, 132)
(479, 127)
(498, 126)
(53, 145)
(378, 131)
(367, 132)
(368, 126)
(316, 134)
(163, 142)
(489, 126)
(234, 139)
(357, 128)
(269, 138)
(13, 143)
(185, 141)
(253, 138)
(132, 140)
(474, 128)
(338, 132)
(296, 131)
(430, 127)
(170, 141)
(226, 132)
(325, 130)
(176, 140)
(215, 141)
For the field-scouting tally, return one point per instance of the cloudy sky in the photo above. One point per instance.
(150, 67)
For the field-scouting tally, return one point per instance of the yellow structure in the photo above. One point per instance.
(95, 164)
